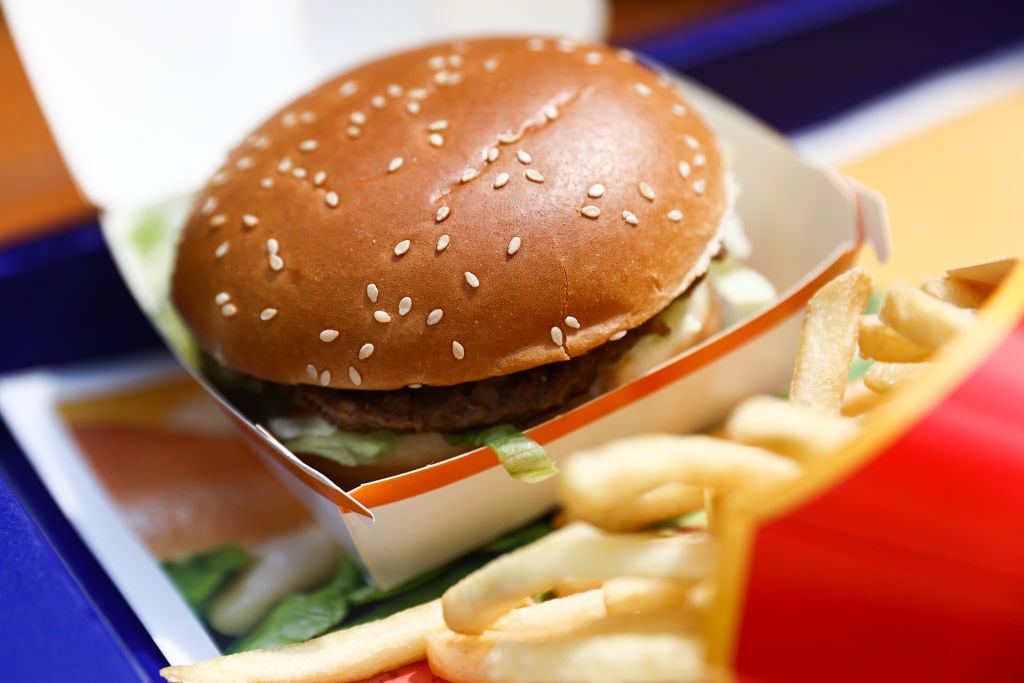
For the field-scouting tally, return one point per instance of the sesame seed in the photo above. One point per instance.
(596, 190)
(458, 350)
(289, 119)
(524, 156)
(395, 90)
(435, 126)
(222, 298)
(535, 44)
(675, 215)
(418, 94)
(700, 160)
(472, 280)
(404, 305)
(299, 172)
(244, 164)
(572, 322)
(308, 145)
(219, 219)
(272, 246)
(402, 247)
(382, 316)
(307, 117)
(221, 249)
(267, 183)
(395, 164)
(534, 175)
(434, 317)
(446, 77)
(378, 101)
(442, 242)
(331, 199)
(417, 385)
(617, 336)
(492, 154)
(372, 292)
(250, 220)
(626, 56)
(348, 88)
(550, 112)
(509, 137)
(365, 351)
(442, 213)
(413, 107)
(276, 262)
(357, 118)
(229, 309)
(501, 180)
(684, 169)
(311, 371)
(468, 175)
(646, 191)
(354, 131)
(258, 141)
(325, 378)
(557, 336)
(630, 217)
(219, 178)
(354, 376)
(593, 58)
(491, 65)
(328, 335)
(514, 244)
(284, 165)
(691, 141)
(678, 109)
(565, 45)
(699, 186)
(590, 211)
(319, 178)
(268, 313)
(436, 62)
(436, 139)
(455, 61)
(642, 90)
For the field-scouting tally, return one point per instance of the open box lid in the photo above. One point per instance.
(144, 99)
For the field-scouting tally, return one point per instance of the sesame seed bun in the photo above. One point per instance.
(450, 214)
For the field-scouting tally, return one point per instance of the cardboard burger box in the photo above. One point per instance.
(805, 223)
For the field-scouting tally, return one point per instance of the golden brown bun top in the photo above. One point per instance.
(452, 213)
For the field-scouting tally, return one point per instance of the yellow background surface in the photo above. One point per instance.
(954, 192)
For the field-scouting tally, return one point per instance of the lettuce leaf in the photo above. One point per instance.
(315, 436)
(521, 456)
(198, 577)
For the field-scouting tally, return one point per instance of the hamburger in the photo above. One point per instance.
(438, 249)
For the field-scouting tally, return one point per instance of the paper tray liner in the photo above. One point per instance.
(903, 557)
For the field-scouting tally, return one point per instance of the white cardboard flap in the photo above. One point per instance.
(144, 98)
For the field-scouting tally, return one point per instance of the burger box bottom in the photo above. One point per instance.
(805, 224)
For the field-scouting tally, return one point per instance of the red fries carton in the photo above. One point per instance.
(903, 553)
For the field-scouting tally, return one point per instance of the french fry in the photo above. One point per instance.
(828, 341)
(789, 429)
(858, 399)
(922, 318)
(341, 657)
(460, 658)
(960, 293)
(622, 470)
(888, 378)
(880, 342)
(577, 550)
(664, 502)
(636, 647)
(631, 594)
